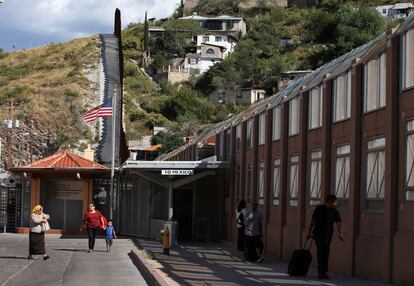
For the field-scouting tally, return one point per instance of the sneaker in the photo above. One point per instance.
(326, 276)
(46, 257)
(260, 259)
(30, 257)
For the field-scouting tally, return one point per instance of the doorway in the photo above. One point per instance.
(183, 213)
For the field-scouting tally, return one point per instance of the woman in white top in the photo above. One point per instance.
(38, 221)
(240, 217)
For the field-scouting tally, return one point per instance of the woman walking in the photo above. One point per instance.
(240, 217)
(38, 221)
(92, 219)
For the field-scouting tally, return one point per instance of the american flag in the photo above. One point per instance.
(103, 110)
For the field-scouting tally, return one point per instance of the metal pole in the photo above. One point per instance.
(111, 193)
(170, 202)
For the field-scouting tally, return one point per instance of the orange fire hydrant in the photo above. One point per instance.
(166, 241)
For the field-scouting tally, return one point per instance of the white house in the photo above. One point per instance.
(397, 11)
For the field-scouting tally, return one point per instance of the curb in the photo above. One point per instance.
(150, 274)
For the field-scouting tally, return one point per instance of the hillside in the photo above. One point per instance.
(50, 87)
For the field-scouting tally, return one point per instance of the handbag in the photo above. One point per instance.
(45, 226)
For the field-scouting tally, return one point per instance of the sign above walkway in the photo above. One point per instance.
(177, 172)
(174, 165)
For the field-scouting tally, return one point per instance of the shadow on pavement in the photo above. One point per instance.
(13, 257)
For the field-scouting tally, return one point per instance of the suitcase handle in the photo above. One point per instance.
(310, 245)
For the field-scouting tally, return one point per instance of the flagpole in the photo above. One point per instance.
(111, 193)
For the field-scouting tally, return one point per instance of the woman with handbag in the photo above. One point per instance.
(38, 225)
(93, 220)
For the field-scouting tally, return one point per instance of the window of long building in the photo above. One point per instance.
(237, 182)
(238, 136)
(222, 144)
(342, 97)
(408, 59)
(375, 83)
(249, 134)
(276, 124)
(261, 186)
(294, 115)
(315, 107)
(342, 171)
(228, 141)
(375, 176)
(249, 182)
(293, 180)
(276, 182)
(262, 128)
(315, 183)
(409, 164)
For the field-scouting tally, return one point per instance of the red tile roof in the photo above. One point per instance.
(154, 148)
(64, 160)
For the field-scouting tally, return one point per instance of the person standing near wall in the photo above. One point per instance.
(240, 217)
(38, 221)
(92, 219)
(254, 244)
(321, 229)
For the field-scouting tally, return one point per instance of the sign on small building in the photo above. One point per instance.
(177, 172)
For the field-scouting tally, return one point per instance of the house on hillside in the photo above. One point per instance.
(216, 43)
(397, 11)
(221, 25)
(246, 96)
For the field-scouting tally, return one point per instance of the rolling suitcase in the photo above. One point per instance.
(300, 261)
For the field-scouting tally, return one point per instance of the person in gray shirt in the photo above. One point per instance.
(254, 234)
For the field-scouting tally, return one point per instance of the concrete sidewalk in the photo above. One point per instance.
(220, 264)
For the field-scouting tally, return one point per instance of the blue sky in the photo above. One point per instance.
(40, 22)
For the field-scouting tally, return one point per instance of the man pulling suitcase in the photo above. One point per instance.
(321, 229)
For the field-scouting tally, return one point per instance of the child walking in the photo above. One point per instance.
(109, 235)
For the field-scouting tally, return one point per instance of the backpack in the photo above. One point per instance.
(240, 220)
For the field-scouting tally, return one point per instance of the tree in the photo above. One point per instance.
(169, 141)
(356, 27)
(146, 34)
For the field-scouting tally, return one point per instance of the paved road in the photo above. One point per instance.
(69, 264)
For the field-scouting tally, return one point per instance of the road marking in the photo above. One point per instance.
(17, 273)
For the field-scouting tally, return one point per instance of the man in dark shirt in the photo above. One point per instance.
(321, 229)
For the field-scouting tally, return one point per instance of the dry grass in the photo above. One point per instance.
(48, 85)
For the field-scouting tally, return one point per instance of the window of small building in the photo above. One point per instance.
(315, 108)
(408, 59)
(276, 124)
(375, 83)
(342, 97)
(262, 128)
(294, 115)
(206, 38)
(210, 52)
(409, 164)
(342, 171)
(249, 182)
(238, 136)
(293, 180)
(375, 174)
(315, 183)
(261, 186)
(249, 131)
(276, 182)
(219, 39)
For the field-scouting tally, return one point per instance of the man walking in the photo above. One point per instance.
(321, 228)
(254, 233)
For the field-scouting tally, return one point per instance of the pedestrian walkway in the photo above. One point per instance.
(69, 263)
(219, 264)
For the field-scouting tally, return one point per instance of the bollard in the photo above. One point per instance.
(166, 241)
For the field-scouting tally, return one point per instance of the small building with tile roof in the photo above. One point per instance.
(64, 184)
